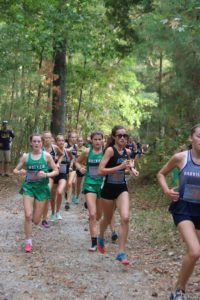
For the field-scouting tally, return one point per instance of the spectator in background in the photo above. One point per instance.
(6, 137)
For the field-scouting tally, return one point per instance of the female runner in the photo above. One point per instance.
(71, 148)
(92, 182)
(56, 153)
(60, 180)
(35, 188)
(79, 176)
(114, 190)
(185, 206)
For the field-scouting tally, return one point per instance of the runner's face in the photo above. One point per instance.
(80, 142)
(60, 142)
(36, 143)
(121, 138)
(97, 141)
(73, 139)
(47, 138)
(195, 139)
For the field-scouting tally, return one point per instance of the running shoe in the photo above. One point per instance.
(100, 245)
(122, 258)
(75, 200)
(45, 224)
(178, 295)
(58, 216)
(28, 247)
(53, 218)
(67, 206)
(114, 236)
(93, 248)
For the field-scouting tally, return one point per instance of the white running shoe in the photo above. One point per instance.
(58, 216)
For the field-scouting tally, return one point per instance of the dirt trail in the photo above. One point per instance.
(60, 267)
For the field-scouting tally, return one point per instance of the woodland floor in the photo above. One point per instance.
(60, 266)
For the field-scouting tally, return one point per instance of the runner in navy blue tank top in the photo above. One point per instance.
(55, 153)
(114, 189)
(71, 184)
(60, 180)
(185, 206)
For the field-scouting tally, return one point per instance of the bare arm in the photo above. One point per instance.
(132, 168)
(59, 152)
(19, 169)
(102, 170)
(81, 161)
(175, 161)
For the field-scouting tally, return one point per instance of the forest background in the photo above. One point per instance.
(88, 64)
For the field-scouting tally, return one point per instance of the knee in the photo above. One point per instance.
(59, 193)
(125, 220)
(107, 219)
(195, 254)
(92, 216)
(28, 217)
(69, 185)
(36, 221)
(98, 216)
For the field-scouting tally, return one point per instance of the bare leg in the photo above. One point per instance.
(46, 209)
(191, 237)
(91, 199)
(53, 198)
(38, 211)
(60, 190)
(107, 207)
(72, 175)
(122, 203)
(28, 213)
(78, 185)
(6, 167)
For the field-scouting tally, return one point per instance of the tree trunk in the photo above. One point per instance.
(58, 92)
(81, 96)
(161, 127)
(38, 98)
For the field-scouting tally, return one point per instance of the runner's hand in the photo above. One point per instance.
(22, 172)
(42, 174)
(172, 194)
(134, 172)
(125, 165)
(82, 170)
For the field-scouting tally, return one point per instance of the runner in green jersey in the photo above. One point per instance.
(35, 189)
(92, 182)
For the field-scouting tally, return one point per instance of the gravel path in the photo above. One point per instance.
(60, 267)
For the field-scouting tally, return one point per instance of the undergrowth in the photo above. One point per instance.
(150, 213)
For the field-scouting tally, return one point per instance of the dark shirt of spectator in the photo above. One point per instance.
(6, 136)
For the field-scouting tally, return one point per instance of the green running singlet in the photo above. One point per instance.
(93, 181)
(34, 186)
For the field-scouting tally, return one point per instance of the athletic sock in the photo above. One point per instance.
(94, 241)
(29, 241)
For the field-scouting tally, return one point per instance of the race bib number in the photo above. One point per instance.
(63, 169)
(93, 171)
(192, 193)
(116, 178)
(32, 176)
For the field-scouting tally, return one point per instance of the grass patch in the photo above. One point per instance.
(150, 214)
